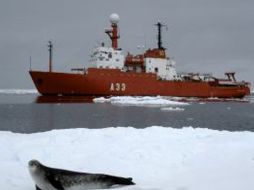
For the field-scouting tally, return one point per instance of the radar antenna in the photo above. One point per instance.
(113, 33)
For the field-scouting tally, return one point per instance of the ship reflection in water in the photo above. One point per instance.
(64, 99)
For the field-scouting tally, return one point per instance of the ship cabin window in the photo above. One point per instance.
(107, 59)
(117, 60)
(156, 69)
(110, 55)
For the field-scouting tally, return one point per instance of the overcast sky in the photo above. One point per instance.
(203, 35)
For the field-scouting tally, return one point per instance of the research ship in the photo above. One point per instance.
(152, 73)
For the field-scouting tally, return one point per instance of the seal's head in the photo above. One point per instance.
(34, 165)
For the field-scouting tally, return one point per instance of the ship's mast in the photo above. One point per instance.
(50, 46)
(159, 25)
(113, 33)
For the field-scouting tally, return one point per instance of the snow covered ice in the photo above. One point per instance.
(156, 157)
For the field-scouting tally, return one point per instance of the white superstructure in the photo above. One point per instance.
(164, 68)
(107, 57)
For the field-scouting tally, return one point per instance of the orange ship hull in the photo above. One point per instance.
(106, 82)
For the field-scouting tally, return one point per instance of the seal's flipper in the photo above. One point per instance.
(37, 188)
(116, 180)
(123, 181)
(55, 183)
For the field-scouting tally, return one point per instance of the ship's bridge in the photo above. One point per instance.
(107, 57)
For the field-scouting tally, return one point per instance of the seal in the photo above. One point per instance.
(47, 178)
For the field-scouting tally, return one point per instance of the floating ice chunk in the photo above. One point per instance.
(172, 109)
(101, 100)
(139, 101)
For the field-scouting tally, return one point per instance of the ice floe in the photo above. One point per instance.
(18, 91)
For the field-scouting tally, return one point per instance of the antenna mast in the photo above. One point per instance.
(30, 63)
(50, 46)
(159, 25)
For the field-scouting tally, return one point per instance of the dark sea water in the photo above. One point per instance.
(29, 113)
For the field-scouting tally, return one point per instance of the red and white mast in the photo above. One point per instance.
(113, 33)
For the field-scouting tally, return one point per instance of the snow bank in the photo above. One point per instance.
(139, 101)
(18, 91)
(156, 157)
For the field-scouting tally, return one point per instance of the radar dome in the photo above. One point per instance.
(114, 18)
